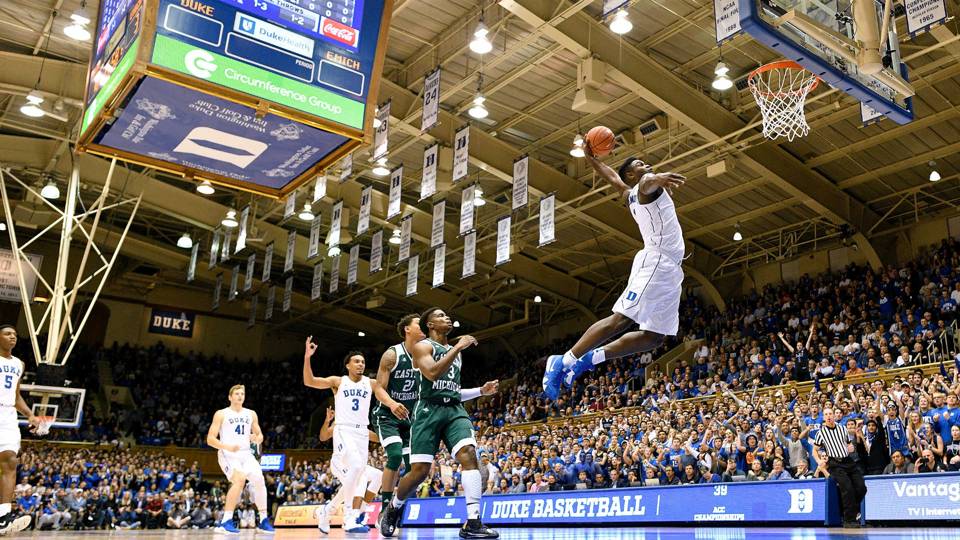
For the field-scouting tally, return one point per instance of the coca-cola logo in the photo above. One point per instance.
(339, 32)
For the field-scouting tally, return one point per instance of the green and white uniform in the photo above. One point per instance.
(403, 387)
(438, 415)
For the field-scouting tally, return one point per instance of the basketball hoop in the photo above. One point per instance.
(781, 89)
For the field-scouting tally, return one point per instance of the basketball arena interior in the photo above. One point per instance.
(571, 269)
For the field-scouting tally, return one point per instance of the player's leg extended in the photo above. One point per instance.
(392, 440)
(8, 481)
(598, 333)
(258, 488)
(424, 442)
(237, 482)
(458, 436)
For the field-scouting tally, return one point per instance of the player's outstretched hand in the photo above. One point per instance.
(400, 411)
(667, 180)
(489, 387)
(311, 347)
(466, 342)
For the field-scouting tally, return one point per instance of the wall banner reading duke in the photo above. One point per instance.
(172, 323)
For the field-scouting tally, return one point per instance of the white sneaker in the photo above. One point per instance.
(322, 514)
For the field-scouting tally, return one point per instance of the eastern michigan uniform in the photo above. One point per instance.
(350, 438)
(438, 415)
(11, 369)
(403, 388)
(235, 429)
(652, 296)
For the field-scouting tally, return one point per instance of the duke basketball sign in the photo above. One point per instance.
(172, 323)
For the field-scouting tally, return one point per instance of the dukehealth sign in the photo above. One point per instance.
(172, 323)
(929, 497)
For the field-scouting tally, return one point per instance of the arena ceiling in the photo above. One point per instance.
(842, 183)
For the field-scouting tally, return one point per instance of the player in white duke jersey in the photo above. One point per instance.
(651, 299)
(352, 395)
(11, 370)
(235, 433)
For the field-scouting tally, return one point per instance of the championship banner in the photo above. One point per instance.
(234, 280)
(381, 137)
(439, 264)
(469, 254)
(320, 188)
(225, 245)
(466, 209)
(352, 263)
(333, 239)
(287, 294)
(726, 13)
(267, 263)
(334, 273)
(428, 177)
(313, 246)
(520, 182)
(290, 206)
(412, 269)
(242, 232)
(461, 156)
(503, 240)
(191, 267)
(363, 221)
(431, 100)
(271, 299)
(376, 252)
(317, 284)
(172, 323)
(436, 228)
(252, 321)
(924, 14)
(547, 207)
(346, 168)
(291, 247)
(10, 280)
(248, 276)
(216, 292)
(396, 180)
(406, 227)
(214, 249)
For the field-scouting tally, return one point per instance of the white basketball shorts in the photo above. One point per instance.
(244, 462)
(9, 430)
(350, 449)
(652, 296)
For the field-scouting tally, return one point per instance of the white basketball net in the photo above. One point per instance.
(781, 90)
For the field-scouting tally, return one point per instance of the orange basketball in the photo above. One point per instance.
(601, 140)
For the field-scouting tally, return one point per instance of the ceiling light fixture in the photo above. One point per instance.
(736, 234)
(32, 107)
(361, 334)
(934, 173)
(77, 29)
(577, 150)
(621, 23)
(3, 226)
(50, 191)
(230, 221)
(185, 241)
(395, 239)
(205, 188)
(307, 213)
(333, 251)
(721, 81)
(456, 324)
(480, 44)
(537, 299)
(478, 197)
(380, 169)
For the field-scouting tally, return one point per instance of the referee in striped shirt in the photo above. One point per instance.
(838, 443)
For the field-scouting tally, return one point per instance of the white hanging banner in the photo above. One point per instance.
(382, 135)
(271, 299)
(436, 228)
(313, 246)
(469, 255)
(225, 245)
(431, 100)
(924, 14)
(726, 13)
(428, 177)
(287, 294)
(248, 277)
(333, 239)
(242, 233)
(869, 115)
(363, 221)
(291, 247)
(406, 227)
(234, 280)
(214, 249)
(346, 168)
(547, 206)
(252, 320)
(520, 182)
(503, 240)
(352, 264)
(396, 181)
(439, 264)
(412, 269)
(334, 273)
(609, 6)
(376, 252)
(317, 284)
(192, 267)
(216, 291)
(461, 155)
(466, 209)
(290, 207)
(267, 263)
(320, 188)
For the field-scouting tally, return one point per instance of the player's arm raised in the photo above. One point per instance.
(488, 388)
(433, 369)
(607, 173)
(321, 383)
(383, 396)
(214, 431)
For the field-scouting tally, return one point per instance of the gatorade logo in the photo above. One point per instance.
(200, 63)
(340, 32)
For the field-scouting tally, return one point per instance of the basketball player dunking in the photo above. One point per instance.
(235, 433)
(439, 416)
(11, 369)
(352, 396)
(652, 297)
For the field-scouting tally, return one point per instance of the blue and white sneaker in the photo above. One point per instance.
(357, 529)
(362, 518)
(265, 527)
(552, 376)
(227, 527)
(581, 366)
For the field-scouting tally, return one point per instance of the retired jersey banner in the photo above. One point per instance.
(352, 263)
(217, 287)
(412, 269)
(346, 168)
(396, 182)
(225, 245)
(214, 249)
(267, 263)
(547, 207)
(248, 276)
(271, 299)
(252, 320)
(192, 265)
(520, 182)
(172, 323)
(366, 201)
(503, 240)
(313, 245)
(334, 238)
(406, 227)
(439, 264)
(317, 284)
(428, 178)
(466, 209)
(381, 137)
(436, 227)
(469, 254)
(287, 294)
(290, 206)
(242, 231)
(461, 155)
(291, 247)
(376, 252)
(431, 100)
(234, 280)
(320, 188)
(334, 273)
